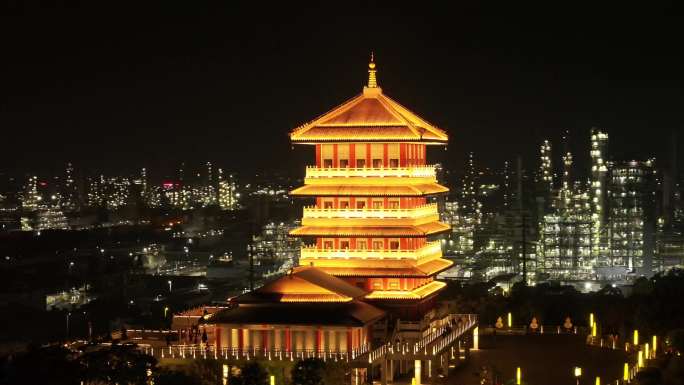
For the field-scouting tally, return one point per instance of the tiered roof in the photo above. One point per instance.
(306, 296)
(370, 116)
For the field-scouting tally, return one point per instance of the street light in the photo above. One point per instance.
(67, 323)
(578, 373)
(170, 285)
(518, 375)
(625, 372)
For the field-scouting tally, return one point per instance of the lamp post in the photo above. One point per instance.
(67, 324)
(578, 373)
(518, 376)
(170, 285)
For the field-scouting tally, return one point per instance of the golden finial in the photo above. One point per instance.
(372, 81)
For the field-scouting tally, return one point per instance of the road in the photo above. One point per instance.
(543, 359)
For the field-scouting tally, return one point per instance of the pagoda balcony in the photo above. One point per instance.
(417, 174)
(415, 212)
(315, 216)
(430, 250)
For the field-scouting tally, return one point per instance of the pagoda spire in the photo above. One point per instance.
(372, 80)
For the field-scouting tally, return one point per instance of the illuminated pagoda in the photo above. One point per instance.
(371, 219)
(367, 257)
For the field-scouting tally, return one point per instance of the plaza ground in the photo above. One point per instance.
(544, 359)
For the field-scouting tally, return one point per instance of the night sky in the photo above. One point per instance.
(114, 86)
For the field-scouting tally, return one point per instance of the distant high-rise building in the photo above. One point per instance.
(546, 167)
(599, 170)
(460, 240)
(227, 192)
(565, 237)
(631, 209)
(274, 245)
(50, 217)
(30, 198)
(70, 197)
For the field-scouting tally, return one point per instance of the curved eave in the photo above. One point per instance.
(428, 269)
(422, 292)
(430, 142)
(419, 231)
(370, 191)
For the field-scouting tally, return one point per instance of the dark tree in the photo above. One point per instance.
(175, 377)
(251, 373)
(310, 371)
(123, 364)
(40, 365)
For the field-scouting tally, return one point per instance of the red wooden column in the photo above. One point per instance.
(319, 340)
(352, 155)
(217, 334)
(385, 155)
(264, 339)
(335, 157)
(241, 339)
(402, 154)
(349, 340)
(288, 340)
(368, 155)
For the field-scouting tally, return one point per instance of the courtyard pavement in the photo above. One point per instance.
(544, 360)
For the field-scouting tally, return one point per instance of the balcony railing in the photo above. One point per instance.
(416, 212)
(395, 172)
(429, 249)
